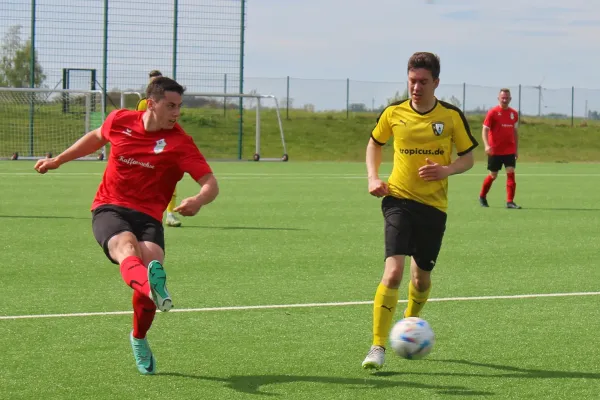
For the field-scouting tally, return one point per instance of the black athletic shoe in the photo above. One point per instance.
(512, 204)
(483, 202)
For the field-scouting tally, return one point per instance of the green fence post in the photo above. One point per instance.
(520, 101)
(241, 107)
(32, 77)
(175, 23)
(464, 97)
(105, 56)
(287, 99)
(347, 98)
(224, 98)
(572, 106)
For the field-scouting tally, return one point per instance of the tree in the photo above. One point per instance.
(397, 97)
(358, 107)
(454, 101)
(15, 64)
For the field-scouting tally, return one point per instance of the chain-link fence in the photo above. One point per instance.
(113, 44)
(347, 96)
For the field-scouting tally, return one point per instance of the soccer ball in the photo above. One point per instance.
(412, 338)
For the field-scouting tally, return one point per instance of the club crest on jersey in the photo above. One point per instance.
(160, 146)
(438, 128)
(512, 116)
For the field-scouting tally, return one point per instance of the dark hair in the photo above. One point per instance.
(506, 90)
(154, 73)
(428, 61)
(157, 88)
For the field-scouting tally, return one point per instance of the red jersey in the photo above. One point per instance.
(502, 130)
(144, 167)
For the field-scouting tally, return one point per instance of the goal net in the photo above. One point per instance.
(38, 123)
(213, 120)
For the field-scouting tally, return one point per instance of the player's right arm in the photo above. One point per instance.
(87, 144)
(193, 162)
(380, 135)
(485, 131)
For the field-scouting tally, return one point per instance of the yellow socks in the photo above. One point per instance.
(416, 300)
(384, 306)
(172, 203)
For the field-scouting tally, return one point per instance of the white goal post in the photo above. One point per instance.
(259, 98)
(222, 97)
(39, 123)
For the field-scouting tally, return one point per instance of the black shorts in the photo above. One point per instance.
(495, 162)
(109, 220)
(413, 229)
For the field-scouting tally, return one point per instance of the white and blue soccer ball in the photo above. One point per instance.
(412, 338)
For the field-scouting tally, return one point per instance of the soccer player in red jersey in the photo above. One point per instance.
(501, 141)
(149, 154)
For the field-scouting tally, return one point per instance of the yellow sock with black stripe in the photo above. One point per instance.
(172, 203)
(416, 300)
(384, 307)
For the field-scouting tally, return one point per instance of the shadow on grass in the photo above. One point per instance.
(43, 217)
(258, 228)
(252, 384)
(507, 371)
(560, 209)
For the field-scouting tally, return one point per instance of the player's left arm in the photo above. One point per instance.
(464, 142)
(516, 129)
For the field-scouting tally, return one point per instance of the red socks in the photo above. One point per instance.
(487, 185)
(144, 310)
(511, 187)
(135, 275)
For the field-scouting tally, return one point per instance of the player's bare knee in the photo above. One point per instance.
(392, 275)
(494, 174)
(123, 245)
(421, 283)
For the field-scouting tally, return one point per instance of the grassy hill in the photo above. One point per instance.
(310, 136)
(329, 136)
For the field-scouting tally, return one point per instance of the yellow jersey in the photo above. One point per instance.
(142, 105)
(419, 136)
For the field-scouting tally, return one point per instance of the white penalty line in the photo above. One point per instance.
(244, 175)
(305, 305)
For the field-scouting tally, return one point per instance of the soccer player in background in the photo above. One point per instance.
(501, 141)
(423, 130)
(172, 219)
(149, 154)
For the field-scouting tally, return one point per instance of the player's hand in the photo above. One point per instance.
(46, 164)
(433, 171)
(378, 188)
(516, 155)
(488, 150)
(189, 207)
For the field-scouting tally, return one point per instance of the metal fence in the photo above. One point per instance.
(113, 44)
(350, 96)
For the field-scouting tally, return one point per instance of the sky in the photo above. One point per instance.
(486, 44)
(336, 52)
(481, 42)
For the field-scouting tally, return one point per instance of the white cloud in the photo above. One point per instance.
(479, 41)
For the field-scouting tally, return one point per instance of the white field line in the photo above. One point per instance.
(285, 176)
(305, 305)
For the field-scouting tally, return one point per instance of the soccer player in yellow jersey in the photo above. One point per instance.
(142, 105)
(424, 130)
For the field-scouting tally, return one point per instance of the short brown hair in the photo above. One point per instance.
(505, 90)
(428, 61)
(157, 88)
(154, 73)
